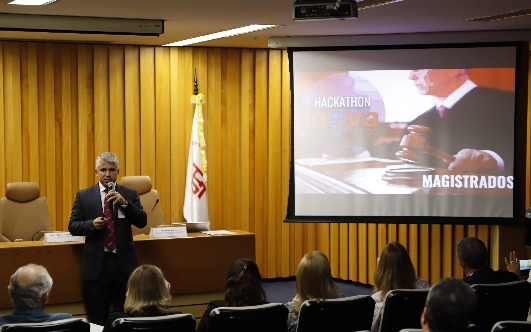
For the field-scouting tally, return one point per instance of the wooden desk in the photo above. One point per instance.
(195, 264)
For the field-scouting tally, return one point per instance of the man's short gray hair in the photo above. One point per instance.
(28, 285)
(108, 157)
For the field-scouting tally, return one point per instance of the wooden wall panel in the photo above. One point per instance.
(83, 159)
(51, 130)
(64, 71)
(147, 111)
(288, 251)
(528, 136)
(132, 157)
(163, 126)
(62, 104)
(3, 155)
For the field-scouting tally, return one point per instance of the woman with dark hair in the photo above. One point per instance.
(242, 288)
(314, 282)
(395, 270)
(148, 295)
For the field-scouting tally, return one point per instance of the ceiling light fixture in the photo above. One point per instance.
(502, 16)
(366, 4)
(30, 2)
(81, 24)
(223, 34)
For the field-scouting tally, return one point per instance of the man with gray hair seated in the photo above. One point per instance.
(29, 289)
(449, 307)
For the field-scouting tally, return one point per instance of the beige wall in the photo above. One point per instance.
(62, 104)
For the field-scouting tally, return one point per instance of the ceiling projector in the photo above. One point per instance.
(322, 10)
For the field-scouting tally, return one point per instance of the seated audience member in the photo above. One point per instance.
(29, 289)
(314, 282)
(473, 257)
(513, 265)
(148, 295)
(243, 287)
(394, 271)
(449, 306)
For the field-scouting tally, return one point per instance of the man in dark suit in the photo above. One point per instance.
(473, 257)
(104, 216)
(472, 123)
(29, 288)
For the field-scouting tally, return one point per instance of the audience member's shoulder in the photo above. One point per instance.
(3, 320)
(421, 283)
(116, 315)
(506, 276)
(469, 280)
(377, 297)
(484, 275)
(290, 305)
(216, 303)
(213, 305)
(60, 316)
(112, 317)
(489, 276)
(10, 319)
(174, 312)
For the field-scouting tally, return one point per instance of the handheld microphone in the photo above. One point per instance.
(156, 202)
(111, 186)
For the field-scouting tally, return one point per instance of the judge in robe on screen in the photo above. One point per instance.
(471, 123)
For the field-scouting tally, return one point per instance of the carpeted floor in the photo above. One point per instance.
(282, 290)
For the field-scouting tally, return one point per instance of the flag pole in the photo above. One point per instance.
(196, 89)
(195, 207)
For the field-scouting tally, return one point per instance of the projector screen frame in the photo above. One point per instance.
(520, 144)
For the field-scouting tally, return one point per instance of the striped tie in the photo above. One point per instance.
(110, 242)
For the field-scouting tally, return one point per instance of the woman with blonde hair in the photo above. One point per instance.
(395, 270)
(148, 295)
(314, 282)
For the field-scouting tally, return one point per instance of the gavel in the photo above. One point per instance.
(416, 145)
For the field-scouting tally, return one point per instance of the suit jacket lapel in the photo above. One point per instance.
(96, 198)
(121, 191)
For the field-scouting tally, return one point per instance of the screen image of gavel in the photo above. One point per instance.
(416, 145)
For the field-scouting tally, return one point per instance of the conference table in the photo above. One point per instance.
(193, 264)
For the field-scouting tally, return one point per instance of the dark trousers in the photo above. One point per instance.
(109, 289)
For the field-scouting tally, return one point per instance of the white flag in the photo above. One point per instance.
(195, 207)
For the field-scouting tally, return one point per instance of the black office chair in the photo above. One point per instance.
(497, 302)
(63, 325)
(511, 326)
(269, 317)
(402, 309)
(352, 313)
(470, 328)
(175, 322)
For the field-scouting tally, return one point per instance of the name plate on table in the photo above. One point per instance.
(168, 232)
(60, 237)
